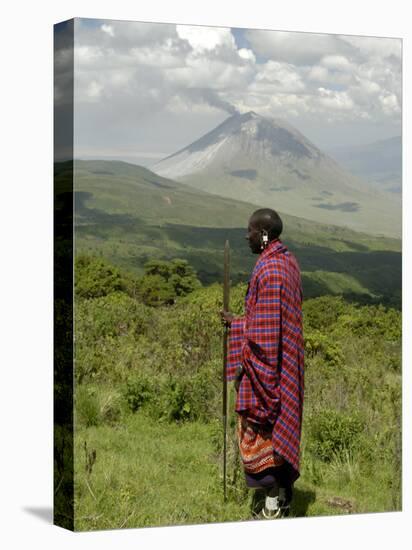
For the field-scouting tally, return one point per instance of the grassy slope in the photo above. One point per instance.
(371, 210)
(164, 473)
(152, 474)
(130, 215)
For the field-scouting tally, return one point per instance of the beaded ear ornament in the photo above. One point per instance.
(264, 239)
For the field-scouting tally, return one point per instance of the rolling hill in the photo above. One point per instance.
(130, 215)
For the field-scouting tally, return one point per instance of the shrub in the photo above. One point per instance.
(106, 329)
(178, 402)
(95, 277)
(331, 433)
(138, 391)
(315, 342)
(87, 407)
(93, 363)
(376, 322)
(164, 281)
(175, 398)
(113, 315)
(154, 290)
(333, 354)
(318, 343)
(323, 312)
(110, 409)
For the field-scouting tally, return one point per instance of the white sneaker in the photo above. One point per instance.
(271, 509)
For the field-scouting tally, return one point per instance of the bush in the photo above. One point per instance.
(164, 281)
(323, 313)
(138, 391)
(87, 407)
(376, 322)
(110, 409)
(175, 398)
(106, 329)
(318, 343)
(168, 399)
(154, 290)
(315, 342)
(94, 277)
(331, 433)
(178, 401)
(114, 315)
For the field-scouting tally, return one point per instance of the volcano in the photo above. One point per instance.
(241, 138)
(270, 163)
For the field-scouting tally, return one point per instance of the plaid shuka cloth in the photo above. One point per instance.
(268, 343)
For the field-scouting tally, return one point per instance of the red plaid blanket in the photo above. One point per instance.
(268, 342)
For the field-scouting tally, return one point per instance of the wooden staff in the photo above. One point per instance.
(226, 289)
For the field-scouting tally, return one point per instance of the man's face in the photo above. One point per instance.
(253, 237)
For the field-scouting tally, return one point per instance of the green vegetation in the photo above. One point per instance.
(148, 437)
(164, 281)
(161, 284)
(95, 277)
(129, 215)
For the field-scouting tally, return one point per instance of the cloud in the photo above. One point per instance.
(368, 46)
(167, 56)
(389, 103)
(189, 60)
(205, 38)
(294, 47)
(94, 89)
(128, 73)
(340, 101)
(108, 29)
(318, 74)
(244, 53)
(329, 77)
(210, 73)
(274, 76)
(123, 35)
(355, 70)
(339, 62)
(364, 88)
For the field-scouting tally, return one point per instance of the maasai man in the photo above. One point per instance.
(266, 360)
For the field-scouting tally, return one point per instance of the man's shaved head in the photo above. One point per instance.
(266, 218)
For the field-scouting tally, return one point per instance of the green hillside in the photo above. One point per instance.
(148, 405)
(130, 215)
